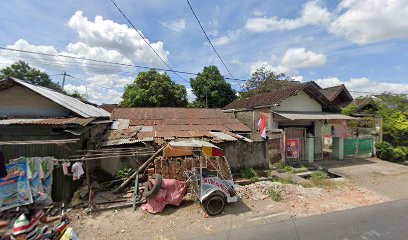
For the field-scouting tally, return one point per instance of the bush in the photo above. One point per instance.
(249, 173)
(288, 169)
(319, 175)
(275, 195)
(123, 173)
(387, 152)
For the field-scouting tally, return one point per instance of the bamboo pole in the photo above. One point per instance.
(140, 169)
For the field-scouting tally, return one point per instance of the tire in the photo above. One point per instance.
(214, 204)
(152, 188)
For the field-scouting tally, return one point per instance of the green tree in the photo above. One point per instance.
(21, 70)
(393, 108)
(265, 80)
(349, 109)
(78, 96)
(152, 89)
(211, 89)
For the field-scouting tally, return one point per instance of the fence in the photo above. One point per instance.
(358, 146)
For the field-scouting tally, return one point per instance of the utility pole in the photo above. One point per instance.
(63, 80)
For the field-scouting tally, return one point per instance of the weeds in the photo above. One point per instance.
(249, 173)
(320, 179)
(285, 180)
(123, 173)
(319, 175)
(275, 195)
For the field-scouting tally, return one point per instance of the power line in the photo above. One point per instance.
(145, 40)
(112, 63)
(202, 28)
(91, 83)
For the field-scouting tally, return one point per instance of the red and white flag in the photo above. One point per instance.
(262, 126)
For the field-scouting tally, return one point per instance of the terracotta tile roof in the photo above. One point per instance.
(268, 98)
(275, 97)
(180, 119)
(332, 92)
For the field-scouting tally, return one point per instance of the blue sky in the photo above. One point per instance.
(361, 43)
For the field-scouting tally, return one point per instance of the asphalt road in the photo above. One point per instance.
(383, 221)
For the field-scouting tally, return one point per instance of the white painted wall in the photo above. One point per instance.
(299, 103)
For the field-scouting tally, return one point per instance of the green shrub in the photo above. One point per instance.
(275, 195)
(288, 169)
(387, 152)
(248, 173)
(319, 175)
(123, 173)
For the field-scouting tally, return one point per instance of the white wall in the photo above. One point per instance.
(299, 103)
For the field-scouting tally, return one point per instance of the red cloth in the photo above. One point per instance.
(172, 192)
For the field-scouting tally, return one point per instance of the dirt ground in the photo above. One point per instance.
(254, 207)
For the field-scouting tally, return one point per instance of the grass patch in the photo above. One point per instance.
(285, 180)
(249, 173)
(275, 195)
(319, 179)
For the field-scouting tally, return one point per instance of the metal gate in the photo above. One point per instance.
(295, 141)
(356, 147)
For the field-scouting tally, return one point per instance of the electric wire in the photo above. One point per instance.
(208, 39)
(145, 40)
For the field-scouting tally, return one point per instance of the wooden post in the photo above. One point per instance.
(144, 165)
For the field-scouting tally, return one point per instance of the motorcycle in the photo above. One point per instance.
(61, 232)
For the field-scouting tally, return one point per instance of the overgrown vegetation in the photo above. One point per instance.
(387, 152)
(249, 173)
(275, 195)
(394, 111)
(320, 179)
(285, 180)
(124, 173)
(349, 109)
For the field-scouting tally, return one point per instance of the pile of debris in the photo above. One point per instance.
(261, 190)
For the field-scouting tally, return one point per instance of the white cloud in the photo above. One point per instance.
(313, 13)
(360, 21)
(113, 36)
(228, 38)
(358, 86)
(258, 13)
(292, 60)
(300, 58)
(101, 39)
(176, 25)
(223, 40)
(365, 22)
(95, 94)
(190, 95)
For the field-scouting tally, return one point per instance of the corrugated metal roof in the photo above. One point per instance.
(180, 119)
(192, 143)
(122, 141)
(312, 115)
(73, 104)
(49, 121)
(223, 136)
(120, 124)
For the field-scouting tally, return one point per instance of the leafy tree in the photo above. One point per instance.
(21, 70)
(78, 96)
(152, 89)
(265, 80)
(349, 109)
(394, 111)
(211, 89)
